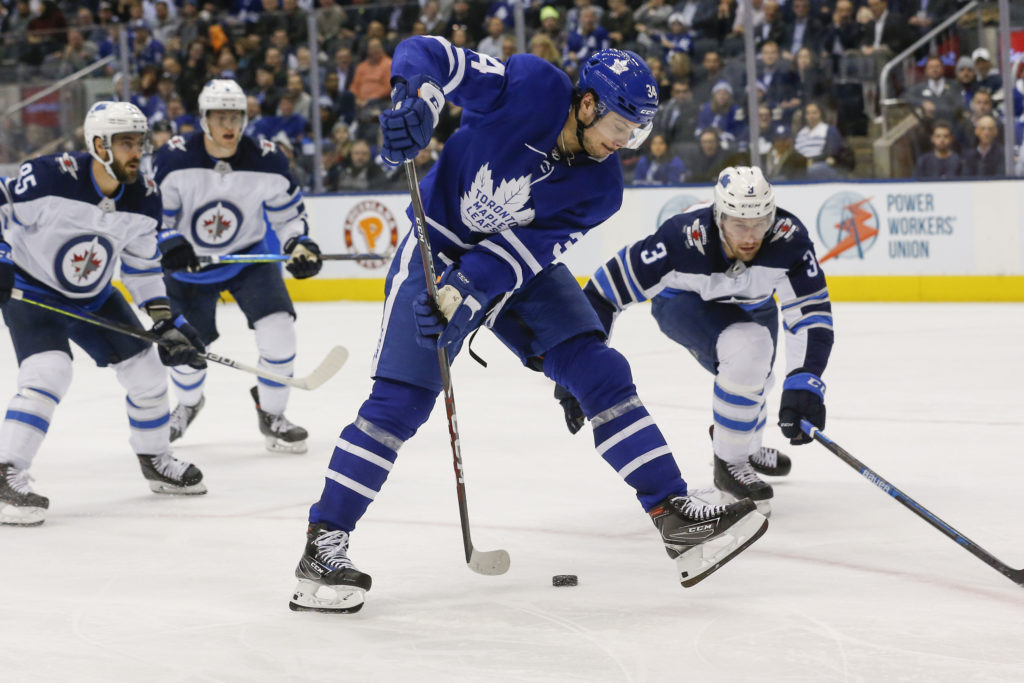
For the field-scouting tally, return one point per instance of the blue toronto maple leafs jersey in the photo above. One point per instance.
(502, 201)
(224, 206)
(686, 254)
(66, 235)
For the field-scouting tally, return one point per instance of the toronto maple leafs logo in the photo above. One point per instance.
(177, 142)
(216, 224)
(68, 164)
(696, 235)
(620, 66)
(81, 264)
(490, 209)
(784, 229)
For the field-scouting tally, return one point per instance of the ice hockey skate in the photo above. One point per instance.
(167, 474)
(328, 581)
(770, 462)
(182, 416)
(279, 434)
(702, 537)
(19, 504)
(739, 480)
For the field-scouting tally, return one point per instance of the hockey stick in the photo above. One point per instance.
(480, 561)
(270, 258)
(1015, 575)
(323, 372)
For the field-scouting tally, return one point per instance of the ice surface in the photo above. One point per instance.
(122, 585)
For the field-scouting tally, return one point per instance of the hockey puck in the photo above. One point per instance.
(564, 580)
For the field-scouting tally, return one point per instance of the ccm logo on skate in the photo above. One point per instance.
(698, 529)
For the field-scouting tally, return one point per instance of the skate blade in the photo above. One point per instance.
(276, 445)
(696, 565)
(309, 596)
(172, 490)
(13, 515)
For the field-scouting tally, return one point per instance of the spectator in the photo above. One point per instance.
(193, 73)
(784, 162)
(988, 76)
(372, 79)
(336, 153)
(289, 121)
(279, 39)
(657, 68)
(967, 79)
(618, 21)
(191, 24)
(812, 81)
(491, 44)
(146, 50)
(713, 22)
(651, 17)
(275, 61)
(300, 175)
(254, 115)
(266, 91)
(985, 159)
(709, 159)
(773, 28)
(295, 23)
(332, 22)
(432, 18)
(942, 161)
(574, 17)
(779, 83)
(705, 77)
(677, 39)
(677, 116)
(727, 118)
(659, 166)
(804, 30)
(883, 33)
(551, 25)
(77, 54)
(148, 100)
(508, 47)
(588, 38)
(766, 128)
(302, 100)
(945, 96)
(922, 14)
(819, 142)
(470, 18)
(358, 172)
(343, 103)
(344, 67)
(841, 34)
(542, 46)
(165, 25)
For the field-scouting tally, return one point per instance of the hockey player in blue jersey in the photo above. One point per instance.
(710, 273)
(221, 189)
(66, 221)
(531, 169)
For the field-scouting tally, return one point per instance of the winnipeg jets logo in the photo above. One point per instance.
(151, 187)
(490, 209)
(696, 236)
(267, 147)
(216, 224)
(68, 164)
(784, 229)
(177, 142)
(620, 66)
(81, 264)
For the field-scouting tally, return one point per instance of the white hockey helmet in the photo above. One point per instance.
(743, 192)
(107, 119)
(221, 94)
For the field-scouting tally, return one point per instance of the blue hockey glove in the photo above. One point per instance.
(305, 257)
(176, 251)
(574, 417)
(803, 397)
(6, 273)
(458, 311)
(407, 128)
(179, 343)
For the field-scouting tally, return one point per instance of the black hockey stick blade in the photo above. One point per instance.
(1015, 575)
(489, 562)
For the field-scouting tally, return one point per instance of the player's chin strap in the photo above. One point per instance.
(108, 146)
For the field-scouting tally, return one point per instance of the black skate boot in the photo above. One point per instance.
(687, 525)
(182, 416)
(768, 461)
(279, 434)
(19, 504)
(771, 462)
(167, 474)
(741, 481)
(325, 568)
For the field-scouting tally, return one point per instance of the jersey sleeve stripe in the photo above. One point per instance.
(525, 255)
(810, 321)
(290, 202)
(820, 294)
(508, 258)
(129, 270)
(630, 276)
(605, 287)
(448, 234)
(171, 212)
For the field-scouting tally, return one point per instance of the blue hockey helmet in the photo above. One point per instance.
(623, 84)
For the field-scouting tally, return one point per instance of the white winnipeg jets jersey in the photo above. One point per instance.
(65, 235)
(223, 206)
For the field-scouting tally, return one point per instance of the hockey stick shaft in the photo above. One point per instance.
(487, 562)
(215, 259)
(1015, 575)
(335, 359)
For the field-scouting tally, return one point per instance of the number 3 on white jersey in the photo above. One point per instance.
(488, 65)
